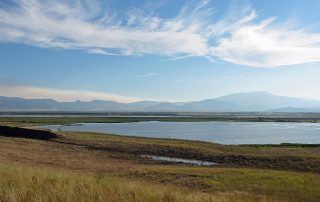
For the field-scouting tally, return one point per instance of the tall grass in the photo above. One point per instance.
(21, 183)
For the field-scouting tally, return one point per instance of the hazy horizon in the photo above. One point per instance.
(75, 99)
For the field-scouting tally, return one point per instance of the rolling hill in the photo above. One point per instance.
(240, 102)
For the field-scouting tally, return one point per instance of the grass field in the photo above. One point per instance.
(100, 167)
(21, 183)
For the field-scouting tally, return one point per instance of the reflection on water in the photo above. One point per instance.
(178, 160)
(217, 132)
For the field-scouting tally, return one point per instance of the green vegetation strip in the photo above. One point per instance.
(93, 119)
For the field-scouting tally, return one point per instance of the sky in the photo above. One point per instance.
(162, 50)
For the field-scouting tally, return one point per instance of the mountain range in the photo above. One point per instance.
(239, 102)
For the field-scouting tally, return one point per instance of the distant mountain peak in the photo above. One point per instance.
(237, 102)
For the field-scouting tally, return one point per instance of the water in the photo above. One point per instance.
(218, 132)
(178, 160)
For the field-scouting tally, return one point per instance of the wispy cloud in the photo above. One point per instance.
(65, 25)
(60, 95)
(267, 46)
(238, 38)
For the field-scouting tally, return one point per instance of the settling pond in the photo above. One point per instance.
(216, 131)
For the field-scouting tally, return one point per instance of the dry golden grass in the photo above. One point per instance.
(46, 170)
(21, 183)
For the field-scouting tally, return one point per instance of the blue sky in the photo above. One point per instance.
(158, 50)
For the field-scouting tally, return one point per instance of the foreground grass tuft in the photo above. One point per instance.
(21, 183)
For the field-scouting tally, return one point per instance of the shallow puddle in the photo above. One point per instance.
(178, 160)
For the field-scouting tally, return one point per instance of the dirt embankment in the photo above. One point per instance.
(16, 132)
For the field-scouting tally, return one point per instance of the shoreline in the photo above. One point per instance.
(224, 155)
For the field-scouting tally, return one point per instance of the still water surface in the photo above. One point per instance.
(218, 132)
